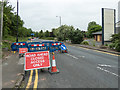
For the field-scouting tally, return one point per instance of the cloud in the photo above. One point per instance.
(41, 14)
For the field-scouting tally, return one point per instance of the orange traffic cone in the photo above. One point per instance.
(54, 68)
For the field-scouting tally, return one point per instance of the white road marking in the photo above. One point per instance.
(5, 64)
(81, 56)
(108, 71)
(105, 65)
(72, 56)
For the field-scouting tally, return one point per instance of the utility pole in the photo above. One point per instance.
(17, 23)
(1, 21)
(60, 19)
(60, 26)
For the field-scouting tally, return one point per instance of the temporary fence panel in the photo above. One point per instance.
(37, 47)
(16, 45)
(55, 47)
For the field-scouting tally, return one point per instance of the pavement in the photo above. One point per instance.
(11, 70)
(80, 68)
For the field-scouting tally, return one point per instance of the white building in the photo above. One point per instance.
(119, 11)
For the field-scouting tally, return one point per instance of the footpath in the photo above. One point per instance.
(12, 70)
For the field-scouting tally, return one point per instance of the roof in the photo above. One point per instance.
(100, 32)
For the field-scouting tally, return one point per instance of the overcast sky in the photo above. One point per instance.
(41, 14)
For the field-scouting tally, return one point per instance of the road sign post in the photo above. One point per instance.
(37, 60)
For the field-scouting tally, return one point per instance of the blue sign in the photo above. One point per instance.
(63, 47)
(32, 34)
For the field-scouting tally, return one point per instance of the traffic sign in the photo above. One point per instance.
(37, 60)
(23, 50)
(32, 34)
(63, 47)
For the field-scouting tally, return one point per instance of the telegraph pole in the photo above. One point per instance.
(17, 23)
(1, 21)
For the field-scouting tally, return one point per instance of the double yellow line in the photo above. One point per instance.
(30, 80)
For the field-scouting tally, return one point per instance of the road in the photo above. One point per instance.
(80, 68)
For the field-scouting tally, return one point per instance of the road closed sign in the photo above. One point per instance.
(23, 50)
(37, 60)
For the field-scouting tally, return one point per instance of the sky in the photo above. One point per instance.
(41, 14)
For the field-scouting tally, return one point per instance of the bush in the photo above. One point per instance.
(93, 43)
(85, 43)
(6, 45)
(106, 44)
(115, 42)
(77, 37)
(117, 47)
(112, 46)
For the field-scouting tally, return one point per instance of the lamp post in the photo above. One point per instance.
(17, 23)
(60, 19)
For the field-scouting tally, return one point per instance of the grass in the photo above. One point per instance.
(6, 43)
(47, 38)
(13, 39)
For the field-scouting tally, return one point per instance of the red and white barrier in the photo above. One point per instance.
(56, 44)
(37, 45)
(19, 43)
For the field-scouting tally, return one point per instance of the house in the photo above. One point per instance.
(98, 36)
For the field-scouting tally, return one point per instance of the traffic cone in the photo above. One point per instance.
(54, 68)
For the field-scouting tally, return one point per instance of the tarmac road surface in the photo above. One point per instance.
(80, 68)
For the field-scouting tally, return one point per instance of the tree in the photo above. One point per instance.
(76, 37)
(93, 27)
(47, 34)
(41, 34)
(10, 23)
(63, 32)
(93, 23)
(36, 34)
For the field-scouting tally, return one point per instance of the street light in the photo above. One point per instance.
(17, 23)
(60, 19)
